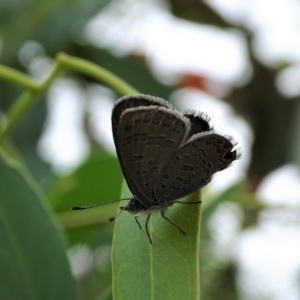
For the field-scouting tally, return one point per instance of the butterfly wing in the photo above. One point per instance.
(194, 164)
(199, 122)
(147, 132)
(131, 102)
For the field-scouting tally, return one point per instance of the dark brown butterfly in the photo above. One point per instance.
(164, 154)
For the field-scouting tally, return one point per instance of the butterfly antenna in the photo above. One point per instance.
(98, 204)
(113, 218)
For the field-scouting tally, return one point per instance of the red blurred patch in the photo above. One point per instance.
(194, 81)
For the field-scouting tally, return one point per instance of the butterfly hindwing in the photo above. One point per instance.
(194, 164)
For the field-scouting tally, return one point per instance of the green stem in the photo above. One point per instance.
(95, 71)
(16, 112)
(26, 101)
(17, 78)
(34, 90)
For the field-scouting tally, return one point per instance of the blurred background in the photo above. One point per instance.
(236, 60)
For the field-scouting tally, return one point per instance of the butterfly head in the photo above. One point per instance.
(134, 206)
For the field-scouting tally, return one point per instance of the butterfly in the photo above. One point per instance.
(165, 154)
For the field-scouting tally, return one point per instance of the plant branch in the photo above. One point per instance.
(26, 100)
(95, 71)
(34, 90)
(18, 78)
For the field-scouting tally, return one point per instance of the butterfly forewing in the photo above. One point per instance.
(148, 137)
(131, 102)
(120, 107)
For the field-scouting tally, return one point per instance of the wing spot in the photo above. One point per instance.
(211, 140)
(147, 117)
(154, 169)
(168, 143)
(158, 116)
(218, 143)
(138, 157)
(178, 127)
(167, 121)
(138, 118)
(187, 168)
(128, 139)
(197, 143)
(192, 174)
(158, 141)
(150, 140)
(143, 136)
(223, 149)
(176, 160)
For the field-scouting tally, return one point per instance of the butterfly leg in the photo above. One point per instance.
(163, 215)
(137, 222)
(147, 230)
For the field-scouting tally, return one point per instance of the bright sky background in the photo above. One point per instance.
(267, 255)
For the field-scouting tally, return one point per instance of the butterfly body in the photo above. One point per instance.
(135, 207)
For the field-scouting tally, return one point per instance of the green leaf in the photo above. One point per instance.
(97, 180)
(32, 255)
(168, 269)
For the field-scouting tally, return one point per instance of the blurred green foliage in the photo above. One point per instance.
(26, 230)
